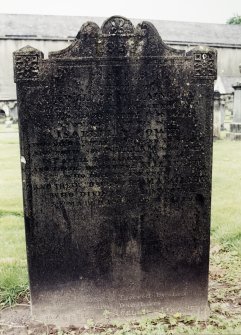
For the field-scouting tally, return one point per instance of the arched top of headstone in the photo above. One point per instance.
(28, 49)
(90, 29)
(117, 37)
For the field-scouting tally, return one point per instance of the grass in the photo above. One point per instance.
(225, 286)
(14, 285)
(226, 195)
(13, 273)
(10, 181)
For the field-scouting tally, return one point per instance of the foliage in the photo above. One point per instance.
(234, 20)
(13, 284)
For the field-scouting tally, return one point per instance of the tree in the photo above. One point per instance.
(234, 20)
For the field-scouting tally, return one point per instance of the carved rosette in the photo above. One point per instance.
(205, 64)
(26, 64)
(117, 25)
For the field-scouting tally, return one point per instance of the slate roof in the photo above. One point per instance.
(66, 27)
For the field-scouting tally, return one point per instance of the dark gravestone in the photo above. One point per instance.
(116, 137)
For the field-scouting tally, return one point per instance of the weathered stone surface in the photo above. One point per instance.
(235, 126)
(237, 103)
(116, 137)
(217, 115)
(222, 112)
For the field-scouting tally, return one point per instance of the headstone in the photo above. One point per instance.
(223, 111)
(237, 103)
(116, 137)
(8, 123)
(217, 115)
(235, 126)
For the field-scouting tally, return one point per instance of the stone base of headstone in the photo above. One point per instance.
(235, 132)
(66, 309)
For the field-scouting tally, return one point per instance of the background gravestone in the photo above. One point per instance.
(116, 137)
(217, 115)
(235, 126)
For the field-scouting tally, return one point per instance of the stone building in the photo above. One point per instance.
(52, 33)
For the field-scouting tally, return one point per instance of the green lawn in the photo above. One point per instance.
(226, 238)
(226, 195)
(13, 274)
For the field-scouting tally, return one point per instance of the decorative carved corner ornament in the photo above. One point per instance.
(205, 63)
(26, 64)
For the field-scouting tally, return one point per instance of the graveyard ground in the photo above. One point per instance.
(225, 269)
